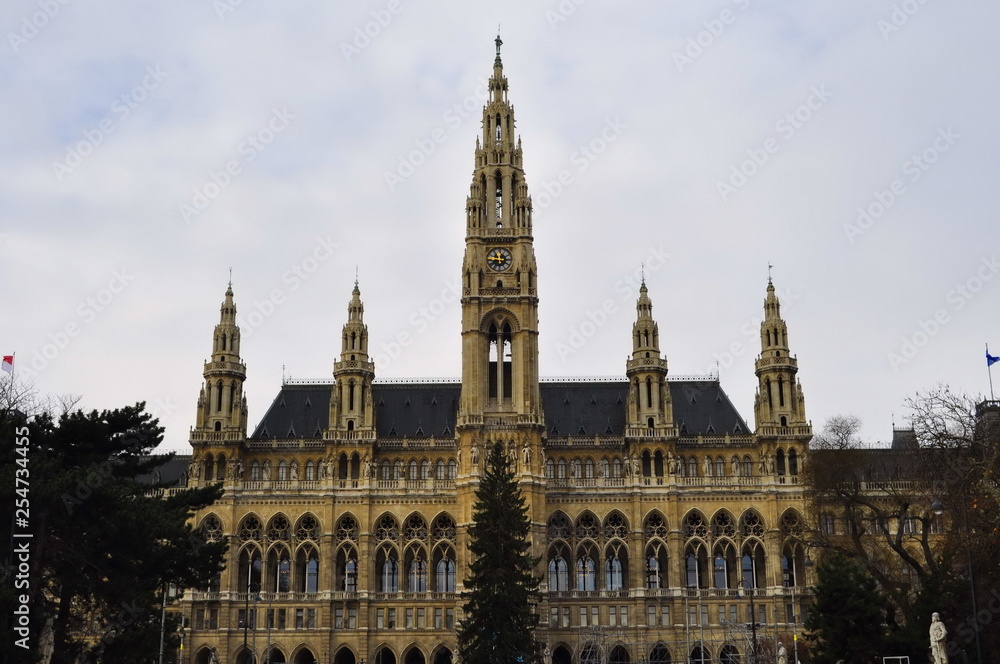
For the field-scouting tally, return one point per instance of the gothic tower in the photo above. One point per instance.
(351, 408)
(779, 401)
(222, 407)
(500, 301)
(649, 407)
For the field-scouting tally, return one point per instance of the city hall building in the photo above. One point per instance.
(666, 526)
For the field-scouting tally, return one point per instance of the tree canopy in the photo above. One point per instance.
(104, 545)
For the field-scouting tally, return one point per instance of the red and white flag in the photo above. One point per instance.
(8, 364)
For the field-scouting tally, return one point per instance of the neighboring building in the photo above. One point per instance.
(652, 501)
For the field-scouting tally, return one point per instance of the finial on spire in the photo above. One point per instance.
(355, 277)
(642, 268)
(769, 266)
(498, 42)
(230, 277)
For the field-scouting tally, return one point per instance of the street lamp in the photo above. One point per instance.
(753, 621)
(938, 508)
(252, 588)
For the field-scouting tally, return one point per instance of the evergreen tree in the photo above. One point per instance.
(500, 616)
(847, 615)
(104, 545)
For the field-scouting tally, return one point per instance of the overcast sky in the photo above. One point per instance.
(147, 148)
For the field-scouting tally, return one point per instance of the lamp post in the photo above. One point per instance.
(252, 587)
(938, 508)
(753, 621)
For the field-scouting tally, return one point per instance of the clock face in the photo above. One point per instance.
(498, 259)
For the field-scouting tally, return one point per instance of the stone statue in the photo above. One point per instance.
(215, 656)
(474, 453)
(706, 466)
(635, 465)
(782, 654)
(736, 467)
(265, 470)
(770, 464)
(547, 655)
(293, 470)
(458, 457)
(671, 463)
(526, 456)
(239, 469)
(368, 465)
(762, 464)
(602, 468)
(194, 469)
(938, 633)
(232, 469)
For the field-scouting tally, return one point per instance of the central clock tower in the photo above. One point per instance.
(499, 278)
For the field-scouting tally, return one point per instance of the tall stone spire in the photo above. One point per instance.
(779, 400)
(500, 302)
(222, 405)
(351, 407)
(649, 405)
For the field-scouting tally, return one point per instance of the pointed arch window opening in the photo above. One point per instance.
(649, 392)
(501, 369)
(781, 390)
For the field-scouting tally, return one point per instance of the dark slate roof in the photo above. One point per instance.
(172, 471)
(414, 410)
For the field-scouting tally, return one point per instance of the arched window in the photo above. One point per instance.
(659, 655)
(747, 466)
(425, 469)
(616, 467)
(444, 574)
(692, 467)
(691, 570)
(389, 573)
(793, 462)
(417, 574)
(440, 469)
(649, 390)
(781, 390)
(281, 570)
(413, 470)
(310, 471)
(308, 571)
(550, 469)
(451, 469)
(558, 573)
(397, 469)
(385, 470)
(653, 573)
(615, 568)
(720, 467)
(282, 471)
(347, 567)
(561, 469)
(255, 471)
(780, 461)
(588, 468)
(586, 571)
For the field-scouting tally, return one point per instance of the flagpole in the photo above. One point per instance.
(989, 370)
